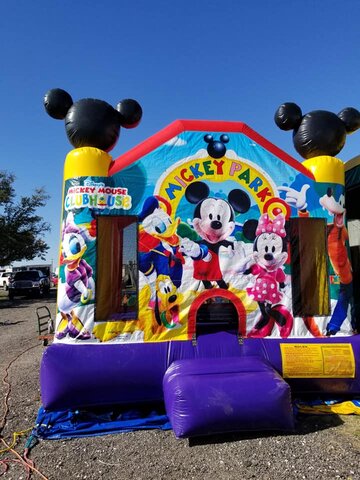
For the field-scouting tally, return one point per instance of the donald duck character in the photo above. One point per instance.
(79, 283)
(158, 242)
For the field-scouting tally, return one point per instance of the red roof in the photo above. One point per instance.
(180, 126)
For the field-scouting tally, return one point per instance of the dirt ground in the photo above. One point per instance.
(322, 447)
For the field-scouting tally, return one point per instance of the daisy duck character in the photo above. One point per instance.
(79, 282)
(269, 254)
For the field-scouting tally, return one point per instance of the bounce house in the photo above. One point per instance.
(205, 268)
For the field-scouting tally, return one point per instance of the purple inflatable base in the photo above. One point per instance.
(75, 376)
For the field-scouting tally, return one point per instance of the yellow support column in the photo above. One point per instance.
(326, 169)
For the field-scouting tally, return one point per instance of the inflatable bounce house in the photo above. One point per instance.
(205, 268)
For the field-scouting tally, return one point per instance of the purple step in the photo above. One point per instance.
(219, 395)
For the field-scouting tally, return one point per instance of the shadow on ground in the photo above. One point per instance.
(305, 424)
(24, 302)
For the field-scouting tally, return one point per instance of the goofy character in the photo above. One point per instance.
(338, 254)
(158, 242)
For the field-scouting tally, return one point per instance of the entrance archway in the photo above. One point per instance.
(213, 294)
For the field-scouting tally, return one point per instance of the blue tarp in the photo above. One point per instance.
(61, 424)
(56, 425)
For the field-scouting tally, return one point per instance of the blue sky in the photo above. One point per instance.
(212, 60)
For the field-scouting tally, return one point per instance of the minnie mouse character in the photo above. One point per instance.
(270, 253)
(214, 222)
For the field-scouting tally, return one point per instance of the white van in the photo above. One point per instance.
(4, 280)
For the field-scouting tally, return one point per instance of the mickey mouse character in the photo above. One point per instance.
(214, 222)
(269, 254)
(90, 122)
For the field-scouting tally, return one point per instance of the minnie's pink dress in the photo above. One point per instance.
(266, 287)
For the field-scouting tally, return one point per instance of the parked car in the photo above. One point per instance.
(4, 279)
(29, 282)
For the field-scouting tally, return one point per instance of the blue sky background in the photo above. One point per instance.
(213, 60)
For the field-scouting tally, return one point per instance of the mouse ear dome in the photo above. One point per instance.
(130, 113)
(320, 133)
(57, 103)
(351, 117)
(92, 123)
(288, 116)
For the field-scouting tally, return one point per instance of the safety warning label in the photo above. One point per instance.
(300, 360)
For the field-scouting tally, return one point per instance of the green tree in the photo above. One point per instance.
(21, 229)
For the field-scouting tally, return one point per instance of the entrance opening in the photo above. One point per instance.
(220, 310)
(217, 314)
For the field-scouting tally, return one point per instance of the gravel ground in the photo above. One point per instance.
(322, 447)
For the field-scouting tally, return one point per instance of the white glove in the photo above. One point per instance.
(236, 250)
(86, 293)
(294, 198)
(86, 298)
(245, 263)
(189, 248)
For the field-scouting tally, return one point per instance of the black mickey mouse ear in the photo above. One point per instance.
(196, 191)
(57, 103)
(249, 229)
(239, 200)
(288, 116)
(130, 113)
(351, 117)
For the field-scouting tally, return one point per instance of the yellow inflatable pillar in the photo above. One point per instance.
(87, 162)
(326, 169)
